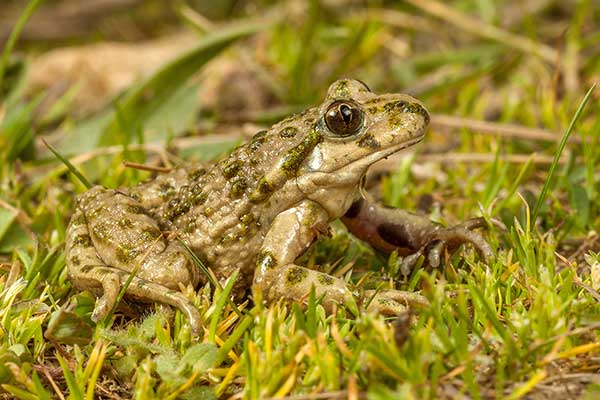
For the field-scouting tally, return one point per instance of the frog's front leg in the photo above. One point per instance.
(277, 277)
(389, 229)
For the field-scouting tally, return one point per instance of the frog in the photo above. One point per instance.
(256, 211)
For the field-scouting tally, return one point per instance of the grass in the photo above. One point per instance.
(527, 324)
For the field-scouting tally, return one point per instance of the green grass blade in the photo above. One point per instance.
(233, 339)
(214, 321)
(139, 104)
(70, 166)
(19, 393)
(208, 274)
(14, 36)
(40, 391)
(557, 155)
(74, 390)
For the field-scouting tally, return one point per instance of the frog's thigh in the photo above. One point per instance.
(127, 237)
(86, 270)
(290, 234)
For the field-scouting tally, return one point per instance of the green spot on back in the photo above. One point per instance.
(288, 132)
(78, 220)
(125, 223)
(295, 275)
(135, 209)
(325, 279)
(263, 190)
(294, 157)
(83, 240)
(266, 260)
(149, 234)
(232, 168)
(196, 173)
(87, 268)
(165, 190)
(125, 254)
(257, 140)
(238, 186)
(369, 141)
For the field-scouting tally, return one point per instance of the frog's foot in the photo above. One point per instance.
(412, 235)
(294, 283)
(449, 239)
(391, 302)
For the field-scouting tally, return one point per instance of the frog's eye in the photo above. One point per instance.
(344, 118)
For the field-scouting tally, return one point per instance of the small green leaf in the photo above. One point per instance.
(69, 328)
(580, 203)
(169, 368)
(200, 357)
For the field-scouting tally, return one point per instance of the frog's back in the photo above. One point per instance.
(223, 212)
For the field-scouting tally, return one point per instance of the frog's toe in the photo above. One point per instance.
(106, 303)
(452, 238)
(479, 222)
(434, 252)
(409, 263)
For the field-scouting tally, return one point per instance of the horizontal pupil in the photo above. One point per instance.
(346, 113)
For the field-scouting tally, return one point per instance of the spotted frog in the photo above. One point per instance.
(258, 210)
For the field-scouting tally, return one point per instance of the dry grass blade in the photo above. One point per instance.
(487, 158)
(146, 167)
(499, 129)
(398, 19)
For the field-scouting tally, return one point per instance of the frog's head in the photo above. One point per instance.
(355, 128)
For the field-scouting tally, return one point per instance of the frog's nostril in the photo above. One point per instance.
(417, 108)
(364, 84)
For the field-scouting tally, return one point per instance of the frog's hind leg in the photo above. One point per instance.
(87, 271)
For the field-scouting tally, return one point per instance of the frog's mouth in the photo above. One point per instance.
(349, 174)
(360, 166)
